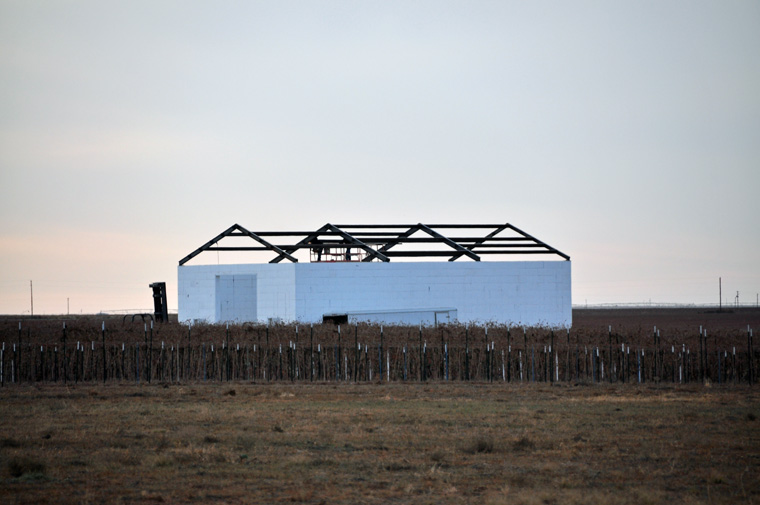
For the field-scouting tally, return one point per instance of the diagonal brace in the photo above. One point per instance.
(480, 241)
(304, 241)
(448, 241)
(355, 241)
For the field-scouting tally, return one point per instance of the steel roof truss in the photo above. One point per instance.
(449, 242)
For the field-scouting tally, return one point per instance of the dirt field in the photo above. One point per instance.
(398, 443)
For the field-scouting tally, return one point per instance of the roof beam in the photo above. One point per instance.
(448, 242)
(305, 240)
(397, 240)
(371, 253)
(378, 240)
(267, 244)
(538, 242)
(480, 241)
(234, 230)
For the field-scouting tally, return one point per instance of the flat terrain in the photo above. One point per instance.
(371, 443)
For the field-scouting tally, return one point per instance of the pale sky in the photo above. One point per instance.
(625, 134)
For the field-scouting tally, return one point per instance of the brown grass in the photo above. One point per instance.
(414, 443)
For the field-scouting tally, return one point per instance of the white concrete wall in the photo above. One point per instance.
(527, 292)
(517, 293)
(275, 297)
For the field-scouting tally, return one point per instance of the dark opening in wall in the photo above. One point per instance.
(335, 319)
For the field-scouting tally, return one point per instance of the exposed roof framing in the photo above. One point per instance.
(377, 241)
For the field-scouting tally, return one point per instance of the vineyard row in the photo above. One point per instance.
(359, 361)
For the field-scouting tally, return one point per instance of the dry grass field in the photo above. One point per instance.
(426, 440)
(328, 443)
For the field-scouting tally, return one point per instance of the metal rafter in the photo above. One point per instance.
(550, 248)
(480, 242)
(397, 240)
(229, 232)
(306, 240)
(449, 242)
(355, 241)
(377, 240)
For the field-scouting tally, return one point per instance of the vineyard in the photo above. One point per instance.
(629, 406)
(118, 349)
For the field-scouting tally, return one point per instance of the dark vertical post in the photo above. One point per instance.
(424, 362)
(659, 365)
(65, 361)
(17, 353)
(203, 356)
(609, 358)
(577, 363)
(446, 359)
(443, 355)
(266, 357)
(103, 329)
(187, 351)
(162, 363)
(509, 356)
(76, 364)
(227, 352)
(338, 357)
(319, 362)
(422, 366)
(488, 354)
(750, 368)
(552, 354)
(405, 364)
(30, 348)
(466, 352)
(356, 352)
(41, 372)
(150, 354)
(702, 355)
(707, 357)
(311, 352)
(297, 371)
(568, 373)
(380, 355)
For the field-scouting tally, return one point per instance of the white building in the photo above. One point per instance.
(348, 276)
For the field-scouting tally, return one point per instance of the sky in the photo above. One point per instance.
(625, 134)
